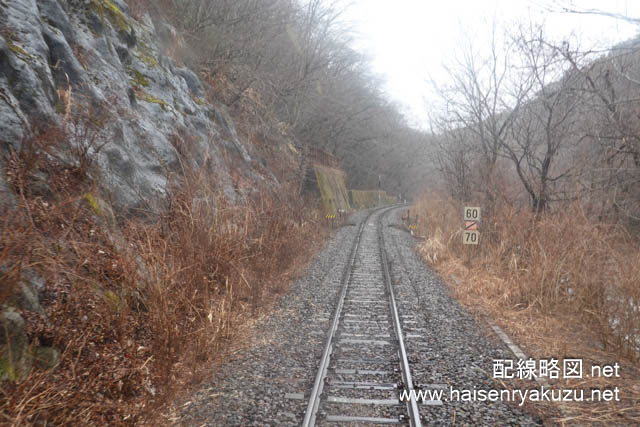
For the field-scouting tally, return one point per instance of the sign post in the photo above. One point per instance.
(470, 234)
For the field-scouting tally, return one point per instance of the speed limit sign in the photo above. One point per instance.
(471, 214)
(471, 235)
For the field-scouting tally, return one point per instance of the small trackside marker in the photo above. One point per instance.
(358, 401)
(433, 386)
(357, 341)
(363, 385)
(370, 420)
(360, 372)
(296, 396)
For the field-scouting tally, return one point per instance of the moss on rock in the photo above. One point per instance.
(153, 100)
(149, 60)
(7, 370)
(93, 203)
(16, 49)
(113, 299)
(107, 8)
(198, 100)
(145, 54)
(138, 79)
(15, 358)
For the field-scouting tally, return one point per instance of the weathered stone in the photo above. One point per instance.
(15, 361)
(193, 82)
(95, 23)
(67, 66)
(165, 32)
(11, 118)
(102, 210)
(35, 281)
(122, 5)
(123, 55)
(222, 118)
(7, 199)
(24, 67)
(39, 185)
(130, 37)
(53, 14)
(46, 357)
(148, 22)
(26, 298)
(49, 45)
(25, 293)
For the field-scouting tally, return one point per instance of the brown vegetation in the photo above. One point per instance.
(562, 284)
(541, 134)
(137, 307)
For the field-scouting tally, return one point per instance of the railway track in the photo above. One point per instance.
(364, 365)
(332, 353)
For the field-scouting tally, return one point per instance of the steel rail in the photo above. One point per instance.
(412, 405)
(318, 385)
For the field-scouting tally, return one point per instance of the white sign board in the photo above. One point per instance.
(470, 237)
(471, 214)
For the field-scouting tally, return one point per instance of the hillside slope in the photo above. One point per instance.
(63, 58)
(141, 225)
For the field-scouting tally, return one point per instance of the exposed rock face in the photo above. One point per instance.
(90, 56)
(26, 294)
(116, 66)
(15, 360)
(17, 355)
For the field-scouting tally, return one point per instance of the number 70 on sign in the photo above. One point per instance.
(471, 219)
(471, 237)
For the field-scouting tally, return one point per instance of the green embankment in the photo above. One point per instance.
(361, 199)
(332, 189)
(336, 196)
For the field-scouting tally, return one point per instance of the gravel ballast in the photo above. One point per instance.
(267, 382)
(447, 348)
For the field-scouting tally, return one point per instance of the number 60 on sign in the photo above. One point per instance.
(471, 214)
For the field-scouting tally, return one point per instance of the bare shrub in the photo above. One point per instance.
(563, 262)
(87, 136)
(142, 312)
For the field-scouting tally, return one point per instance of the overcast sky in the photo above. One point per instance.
(409, 40)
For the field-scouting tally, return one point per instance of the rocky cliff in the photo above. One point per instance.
(57, 56)
(101, 95)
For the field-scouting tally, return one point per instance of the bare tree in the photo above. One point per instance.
(610, 126)
(563, 6)
(483, 99)
(455, 162)
(545, 125)
(297, 57)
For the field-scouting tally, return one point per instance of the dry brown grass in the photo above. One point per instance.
(140, 308)
(555, 284)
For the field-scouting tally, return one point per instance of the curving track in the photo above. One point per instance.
(368, 321)
(364, 362)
